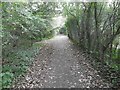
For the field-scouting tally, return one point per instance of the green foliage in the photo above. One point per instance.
(17, 62)
(63, 30)
(95, 26)
(23, 24)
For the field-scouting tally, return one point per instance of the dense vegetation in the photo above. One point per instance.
(23, 24)
(95, 26)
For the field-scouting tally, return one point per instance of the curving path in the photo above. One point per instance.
(61, 65)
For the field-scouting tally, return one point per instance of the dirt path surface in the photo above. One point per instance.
(60, 65)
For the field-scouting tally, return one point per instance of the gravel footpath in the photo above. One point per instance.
(60, 65)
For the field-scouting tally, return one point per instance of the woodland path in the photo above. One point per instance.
(61, 65)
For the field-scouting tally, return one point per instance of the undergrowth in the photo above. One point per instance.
(48, 37)
(17, 63)
(107, 68)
